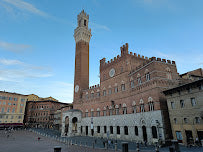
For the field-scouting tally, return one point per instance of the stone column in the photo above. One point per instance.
(149, 134)
(70, 126)
(184, 136)
(89, 130)
(122, 132)
(194, 132)
(79, 129)
(131, 132)
(63, 126)
(114, 132)
(140, 133)
(161, 132)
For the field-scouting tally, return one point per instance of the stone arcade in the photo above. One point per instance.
(128, 103)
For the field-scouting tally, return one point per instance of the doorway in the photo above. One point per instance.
(86, 130)
(92, 132)
(189, 137)
(200, 135)
(144, 131)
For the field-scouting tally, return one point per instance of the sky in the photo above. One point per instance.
(37, 46)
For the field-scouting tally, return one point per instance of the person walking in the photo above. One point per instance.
(196, 141)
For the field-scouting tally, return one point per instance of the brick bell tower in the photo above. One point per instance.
(82, 37)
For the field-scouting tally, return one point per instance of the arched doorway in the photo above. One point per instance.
(144, 132)
(74, 125)
(154, 132)
(66, 125)
(86, 130)
(92, 132)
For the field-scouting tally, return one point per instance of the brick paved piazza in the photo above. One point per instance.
(26, 141)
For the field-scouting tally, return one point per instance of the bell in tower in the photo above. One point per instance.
(82, 37)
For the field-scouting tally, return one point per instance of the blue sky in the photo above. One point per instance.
(37, 45)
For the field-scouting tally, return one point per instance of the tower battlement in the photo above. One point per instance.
(124, 49)
(94, 86)
(124, 52)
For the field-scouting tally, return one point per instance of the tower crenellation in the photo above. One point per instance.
(124, 51)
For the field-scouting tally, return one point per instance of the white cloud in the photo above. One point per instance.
(18, 71)
(19, 75)
(62, 91)
(21, 9)
(24, 6)
(8, 8)
(99, 26)
(14, 47)
(189, 60)
(10, 62)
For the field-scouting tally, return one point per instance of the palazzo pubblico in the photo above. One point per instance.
(129, 103)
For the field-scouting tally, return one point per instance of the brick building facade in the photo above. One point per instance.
(40, 114)
(128, 103)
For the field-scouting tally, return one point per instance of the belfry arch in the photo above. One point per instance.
(74, 124)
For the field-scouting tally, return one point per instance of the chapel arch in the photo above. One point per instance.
(74, 124)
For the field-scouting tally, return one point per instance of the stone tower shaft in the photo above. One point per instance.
(82, 37)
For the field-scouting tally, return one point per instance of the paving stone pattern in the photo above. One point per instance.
(27, 141)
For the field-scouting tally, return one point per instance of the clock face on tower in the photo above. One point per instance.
(112, 72)
(76, 88)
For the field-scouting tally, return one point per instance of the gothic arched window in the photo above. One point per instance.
(98, 112)
(168, 73)
(134, 108)
(139, 80)
(151, 104)
(117, 109)
(125, 130)
(118, 130)
(124, 109)
(136, 130)
(142, 109)
(111, 129)
(147, 75)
